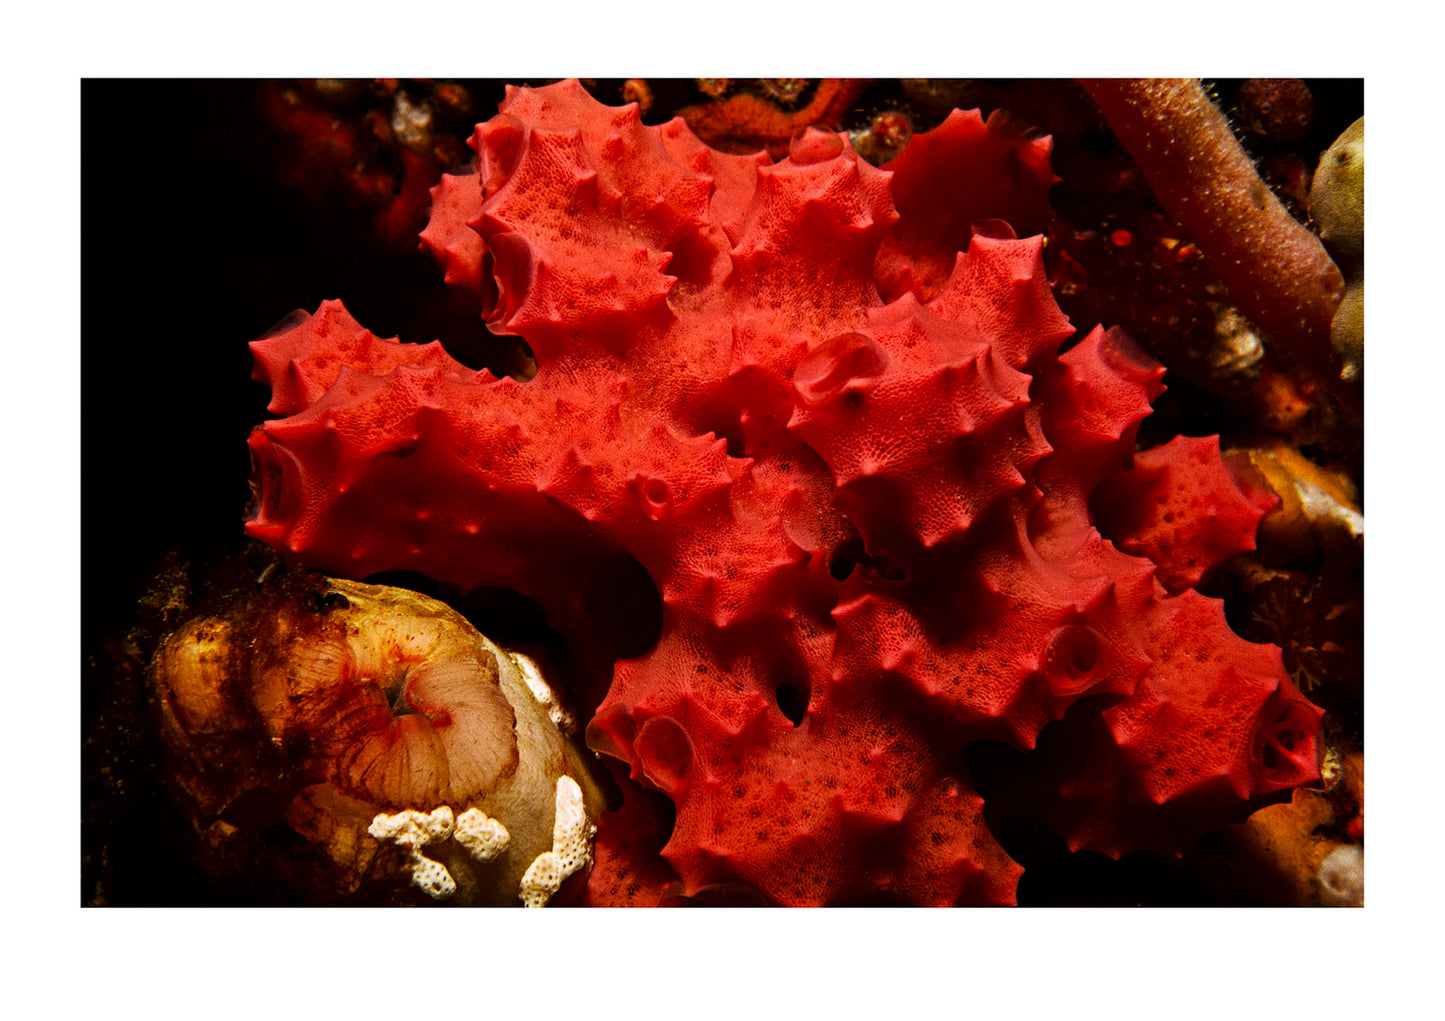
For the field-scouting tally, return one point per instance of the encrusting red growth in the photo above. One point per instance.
(868, 523)
(1184, 508)
(769, 111)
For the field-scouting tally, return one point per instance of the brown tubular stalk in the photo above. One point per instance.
(1278, 273)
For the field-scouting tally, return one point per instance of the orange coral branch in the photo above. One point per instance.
(1277, 271)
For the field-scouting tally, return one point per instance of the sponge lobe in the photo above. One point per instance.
(868, 522)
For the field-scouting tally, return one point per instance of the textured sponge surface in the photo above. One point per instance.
(868, 521)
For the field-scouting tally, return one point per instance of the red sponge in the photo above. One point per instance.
(868, 523)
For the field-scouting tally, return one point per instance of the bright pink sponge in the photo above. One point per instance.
(868, 524)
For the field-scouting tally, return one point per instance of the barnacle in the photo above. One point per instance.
(367, 717)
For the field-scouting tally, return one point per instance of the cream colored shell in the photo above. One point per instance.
(425, 733)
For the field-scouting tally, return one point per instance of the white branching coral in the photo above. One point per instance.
(414, 830)
(572, 834)
(543, 693)
(483, 837)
